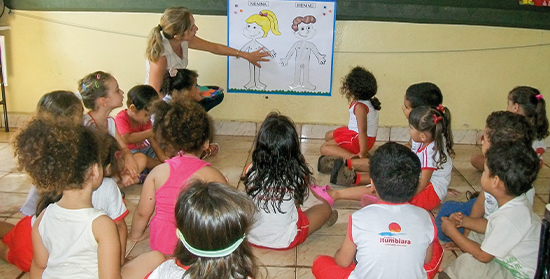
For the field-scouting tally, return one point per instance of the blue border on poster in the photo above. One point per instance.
(278, 93)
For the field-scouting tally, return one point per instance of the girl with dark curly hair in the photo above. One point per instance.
(70, 237)
(181, 125)
(278, 181)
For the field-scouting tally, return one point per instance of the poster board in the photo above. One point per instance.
(299, 36)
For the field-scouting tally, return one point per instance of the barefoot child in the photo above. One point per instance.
(212, 220)
(184, 126)
(278, 181)
(392, 238)
(505, 245)
(135, 128)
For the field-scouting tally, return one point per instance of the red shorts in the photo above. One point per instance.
(19, 241)
(303, 229)
(326, 267)
(427, 199)
(349, 140)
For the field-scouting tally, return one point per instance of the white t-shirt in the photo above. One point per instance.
(512, 236)
(372, 118)
(68, 237)
(170, 269)
(111, 125)
(107, 198)
(172, 59)
(275, 229)
(391, 240)
(441, 177)
(491, 204)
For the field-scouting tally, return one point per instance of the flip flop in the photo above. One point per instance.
(322, 192)
(212, 150)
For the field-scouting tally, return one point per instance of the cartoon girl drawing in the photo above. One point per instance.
(257, 26)
(303, 30)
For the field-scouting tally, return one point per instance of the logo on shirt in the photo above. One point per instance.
(390, 238)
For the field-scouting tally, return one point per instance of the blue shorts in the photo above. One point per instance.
(148, 151)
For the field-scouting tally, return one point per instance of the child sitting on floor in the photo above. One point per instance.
(356, 139)
(135, 128)
(505, 245)
(392, 238)
(278, 181)
(185, 127)
(500, 126)
(71, 238)
(526, 101)
(212, 220)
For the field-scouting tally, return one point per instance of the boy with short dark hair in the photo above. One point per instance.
(505, 245)
(392, 238)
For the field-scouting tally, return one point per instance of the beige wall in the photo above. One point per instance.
(52, 50)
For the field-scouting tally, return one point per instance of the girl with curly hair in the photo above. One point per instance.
(278, 181)
(182, 125)
(70, 237)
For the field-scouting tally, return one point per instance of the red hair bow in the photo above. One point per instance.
(437, 118)
(441, 108)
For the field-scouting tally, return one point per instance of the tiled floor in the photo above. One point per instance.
(235, 154)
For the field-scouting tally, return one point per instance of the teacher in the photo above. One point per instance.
(169, 42)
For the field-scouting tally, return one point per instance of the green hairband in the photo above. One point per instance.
(210, 254)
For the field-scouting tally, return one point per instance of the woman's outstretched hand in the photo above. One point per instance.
(257, 56)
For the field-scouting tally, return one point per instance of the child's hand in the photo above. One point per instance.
(448, 226)
(457, 218)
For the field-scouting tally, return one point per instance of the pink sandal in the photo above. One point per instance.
(322, 192)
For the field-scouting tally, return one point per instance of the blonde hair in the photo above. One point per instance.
(174, 21)
(92, 87)
(267, 20)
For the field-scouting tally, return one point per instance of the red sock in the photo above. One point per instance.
(357, 178)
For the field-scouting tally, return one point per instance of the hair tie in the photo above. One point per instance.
(98, 76)
(173, 72)
(210, 254)
(437, 118)
(78, 95)
(263, 14)
(83, 88)
(160, 27)
(441, 108)
(539, 97)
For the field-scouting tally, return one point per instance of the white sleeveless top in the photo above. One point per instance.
(172, 59)
(372, 118)
(68, 237)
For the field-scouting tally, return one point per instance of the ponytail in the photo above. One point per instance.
(436, 122)
(534, 108)
(376, 103)
(154, 44)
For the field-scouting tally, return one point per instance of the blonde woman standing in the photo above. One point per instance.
(170, 40)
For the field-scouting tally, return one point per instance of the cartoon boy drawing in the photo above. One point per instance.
(303, 30)
(257, 27)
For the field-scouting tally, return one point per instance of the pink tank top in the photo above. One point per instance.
(162, 230)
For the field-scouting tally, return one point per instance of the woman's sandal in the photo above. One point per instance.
(212, 150)
(322, 192)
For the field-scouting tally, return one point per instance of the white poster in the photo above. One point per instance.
(299, 36)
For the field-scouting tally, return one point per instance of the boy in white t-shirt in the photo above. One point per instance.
(392, 238)
(505, 245)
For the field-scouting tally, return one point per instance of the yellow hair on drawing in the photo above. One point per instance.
(267, 20)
